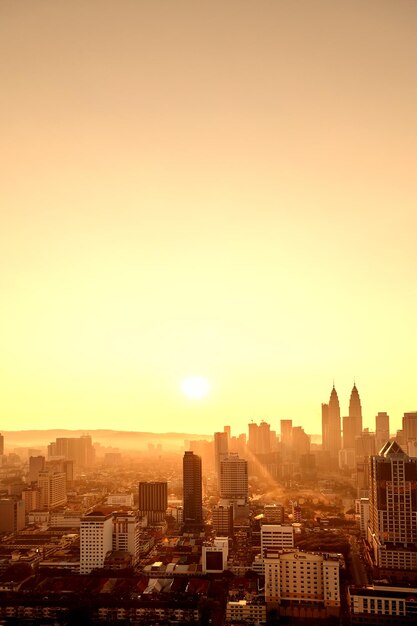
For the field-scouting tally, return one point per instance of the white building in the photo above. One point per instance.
(126, 533)
(295, 577)
(383, 604)
(96, 531)
(214, 555)
(364, 516)
(53, 489)
(276, 537)
(65, 519)
(120, 499)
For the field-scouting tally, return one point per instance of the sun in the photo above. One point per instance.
(195, 387)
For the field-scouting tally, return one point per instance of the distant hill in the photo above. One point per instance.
(106, 437)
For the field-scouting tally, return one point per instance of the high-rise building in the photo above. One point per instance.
(77, 449)
(36, 465)
(192, 490)
(96, 537)
(1, 444)
(12, 515)
(153, 500)
(349, 432)
(410, 427)
(53, 489)
(223, 520)
(331, 430)
(392, 530)
(355, 410)
(276, 537)
(264, 438)
(234, 478)
(298, 578)
(221, 450)
(273, 514)
(286, 438)
(126, 533)
(381, 430)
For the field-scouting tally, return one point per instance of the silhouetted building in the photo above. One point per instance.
(381, 430)
(392, 531)
(234, 478)
(1, 444)
(36, 465)
(12, 515)
(153, 500)
(410, 427)
(77, 449)
(355, 410)
(221, 450)
(53, 489)
(223, 520)
(331, 431)
(193, 490)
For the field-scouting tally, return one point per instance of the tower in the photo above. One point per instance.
(234, 478)
(192, 487)
(332, 438)
(153, 500)
(221, 449)
(381, 430)
(96, 536)
(355, 411)
(392, 530)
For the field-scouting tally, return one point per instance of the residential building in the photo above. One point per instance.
(96, 534)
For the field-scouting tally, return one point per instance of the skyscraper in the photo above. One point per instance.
(381, 430)
(355, 410)
(192, 487)
(392, 530)
(96, 539)
(1, 444)
(153, 500)
(234, 478)
(331, 430)
(221, 450)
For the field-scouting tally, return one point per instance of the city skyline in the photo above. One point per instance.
(224, 191)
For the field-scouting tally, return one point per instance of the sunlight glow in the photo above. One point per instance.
(195, 387)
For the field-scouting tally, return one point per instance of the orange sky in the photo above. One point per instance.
(216, 188)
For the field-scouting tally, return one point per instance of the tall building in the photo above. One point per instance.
(355, 410)
(223, 520)
(126, 533)
(36, 465)
(96, 539)
(53, 489)
(234, 478)
(410, 426)
(349, 432)
(192, 489)
(1, 444)
(331, 431)
(153, 500)
(392, 530)
(221, 450)
(12, 515)
(297, 580)
(381, 430)
(77, 449)
(276, 537)
(264, 438)
(286, 438)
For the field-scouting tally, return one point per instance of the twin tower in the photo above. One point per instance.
(331, 423)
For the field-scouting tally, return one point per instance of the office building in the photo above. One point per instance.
(53, 489)
(36, 465)
(331, 429)
(153, 500)
(381, 430)
(355, 410)
(276, 537)
(192, 490)
(273, 514)
(96, 540)
(126, 533)
(382, 605)
(12, 515)
(234, 478)
(221, 451)
(409, 427)
(77, 449)
(223, 520)
(392, 530)
(295, 580)
(214, 556)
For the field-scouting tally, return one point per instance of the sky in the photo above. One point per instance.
(223, 189)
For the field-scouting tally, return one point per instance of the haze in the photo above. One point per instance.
(216, 189)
